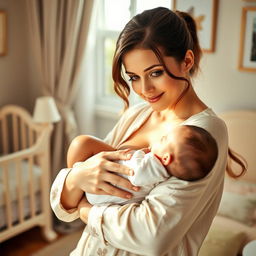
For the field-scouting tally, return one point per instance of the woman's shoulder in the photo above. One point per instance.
(209, 120)
(205, 118)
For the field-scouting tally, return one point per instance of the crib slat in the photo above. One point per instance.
(31, 137)
(31, 187)
(15, 133)
(23, 135)
(5, 136)
(19, 188)
(7, 195)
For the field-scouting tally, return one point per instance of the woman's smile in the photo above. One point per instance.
(154, 98)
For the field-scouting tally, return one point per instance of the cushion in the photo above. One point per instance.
(238, 207)
(239, 187)
(222, 242)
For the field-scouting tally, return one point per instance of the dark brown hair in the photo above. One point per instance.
(157, 29)
(196, 155)
(234, 156)
(197, 161)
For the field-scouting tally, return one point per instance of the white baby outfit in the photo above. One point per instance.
(148, 172)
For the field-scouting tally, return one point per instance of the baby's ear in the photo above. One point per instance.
(166, 159)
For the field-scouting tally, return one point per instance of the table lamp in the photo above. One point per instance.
(46, 111)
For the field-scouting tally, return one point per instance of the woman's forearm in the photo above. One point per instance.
(71, 194)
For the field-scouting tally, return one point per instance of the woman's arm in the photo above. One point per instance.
(164, 217)
(96, 176)
(83, 147)
(80, 149)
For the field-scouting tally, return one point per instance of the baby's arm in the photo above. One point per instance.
(83, 147)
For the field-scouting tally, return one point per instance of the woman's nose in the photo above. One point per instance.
(146, 86)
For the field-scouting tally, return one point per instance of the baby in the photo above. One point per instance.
(188, 153)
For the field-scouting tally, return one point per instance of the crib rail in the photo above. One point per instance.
(24, 148)
(17, 132)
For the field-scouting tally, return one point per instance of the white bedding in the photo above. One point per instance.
(15, 210)
(13, 181)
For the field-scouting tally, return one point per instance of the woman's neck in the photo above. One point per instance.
(189, 105)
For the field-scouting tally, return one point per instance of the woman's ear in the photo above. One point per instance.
(166, 159)
(188, 61)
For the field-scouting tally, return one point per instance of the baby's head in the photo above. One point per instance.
(188, 152)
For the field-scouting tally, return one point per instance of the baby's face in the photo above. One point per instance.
(167, 144)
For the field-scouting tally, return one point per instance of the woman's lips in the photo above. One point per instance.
(154, 99)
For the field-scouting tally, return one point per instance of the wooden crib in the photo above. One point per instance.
(24, 174)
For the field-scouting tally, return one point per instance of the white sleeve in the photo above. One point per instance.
(55, 194)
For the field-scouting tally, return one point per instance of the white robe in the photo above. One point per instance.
(175, 216)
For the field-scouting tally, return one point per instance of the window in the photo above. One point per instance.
(112, 15)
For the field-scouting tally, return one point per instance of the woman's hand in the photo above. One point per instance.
(98, 174)
(84, 208)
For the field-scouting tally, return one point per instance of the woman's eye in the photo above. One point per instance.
(133, 78)
(157, 73)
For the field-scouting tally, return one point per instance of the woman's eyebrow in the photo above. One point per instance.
(153, 66)
(146, 69)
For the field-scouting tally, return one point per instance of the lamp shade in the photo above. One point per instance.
(46, 111)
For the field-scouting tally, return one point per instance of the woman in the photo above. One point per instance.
(159, 51)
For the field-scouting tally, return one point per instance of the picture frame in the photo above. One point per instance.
(3, 33)
(205, 15)
(247, 51)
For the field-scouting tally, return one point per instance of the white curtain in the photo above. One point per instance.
(59, 30)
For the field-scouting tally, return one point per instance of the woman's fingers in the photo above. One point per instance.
(115, 167)
(97, 174)
(119, 181)
(125, 154)
(114, 191)
(118, 168)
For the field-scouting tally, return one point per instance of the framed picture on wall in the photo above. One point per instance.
(247, 53)
(205, 15)
(3, 36)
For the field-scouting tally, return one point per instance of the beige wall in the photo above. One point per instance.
(14, 67)
(221, 85)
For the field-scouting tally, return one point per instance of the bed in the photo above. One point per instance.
(24, 174)
(235, 223)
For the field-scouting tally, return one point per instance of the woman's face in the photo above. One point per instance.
(149, 79)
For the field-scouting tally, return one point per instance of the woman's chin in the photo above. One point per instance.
(159, 107)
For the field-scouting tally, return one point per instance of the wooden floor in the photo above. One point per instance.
(24, 244)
